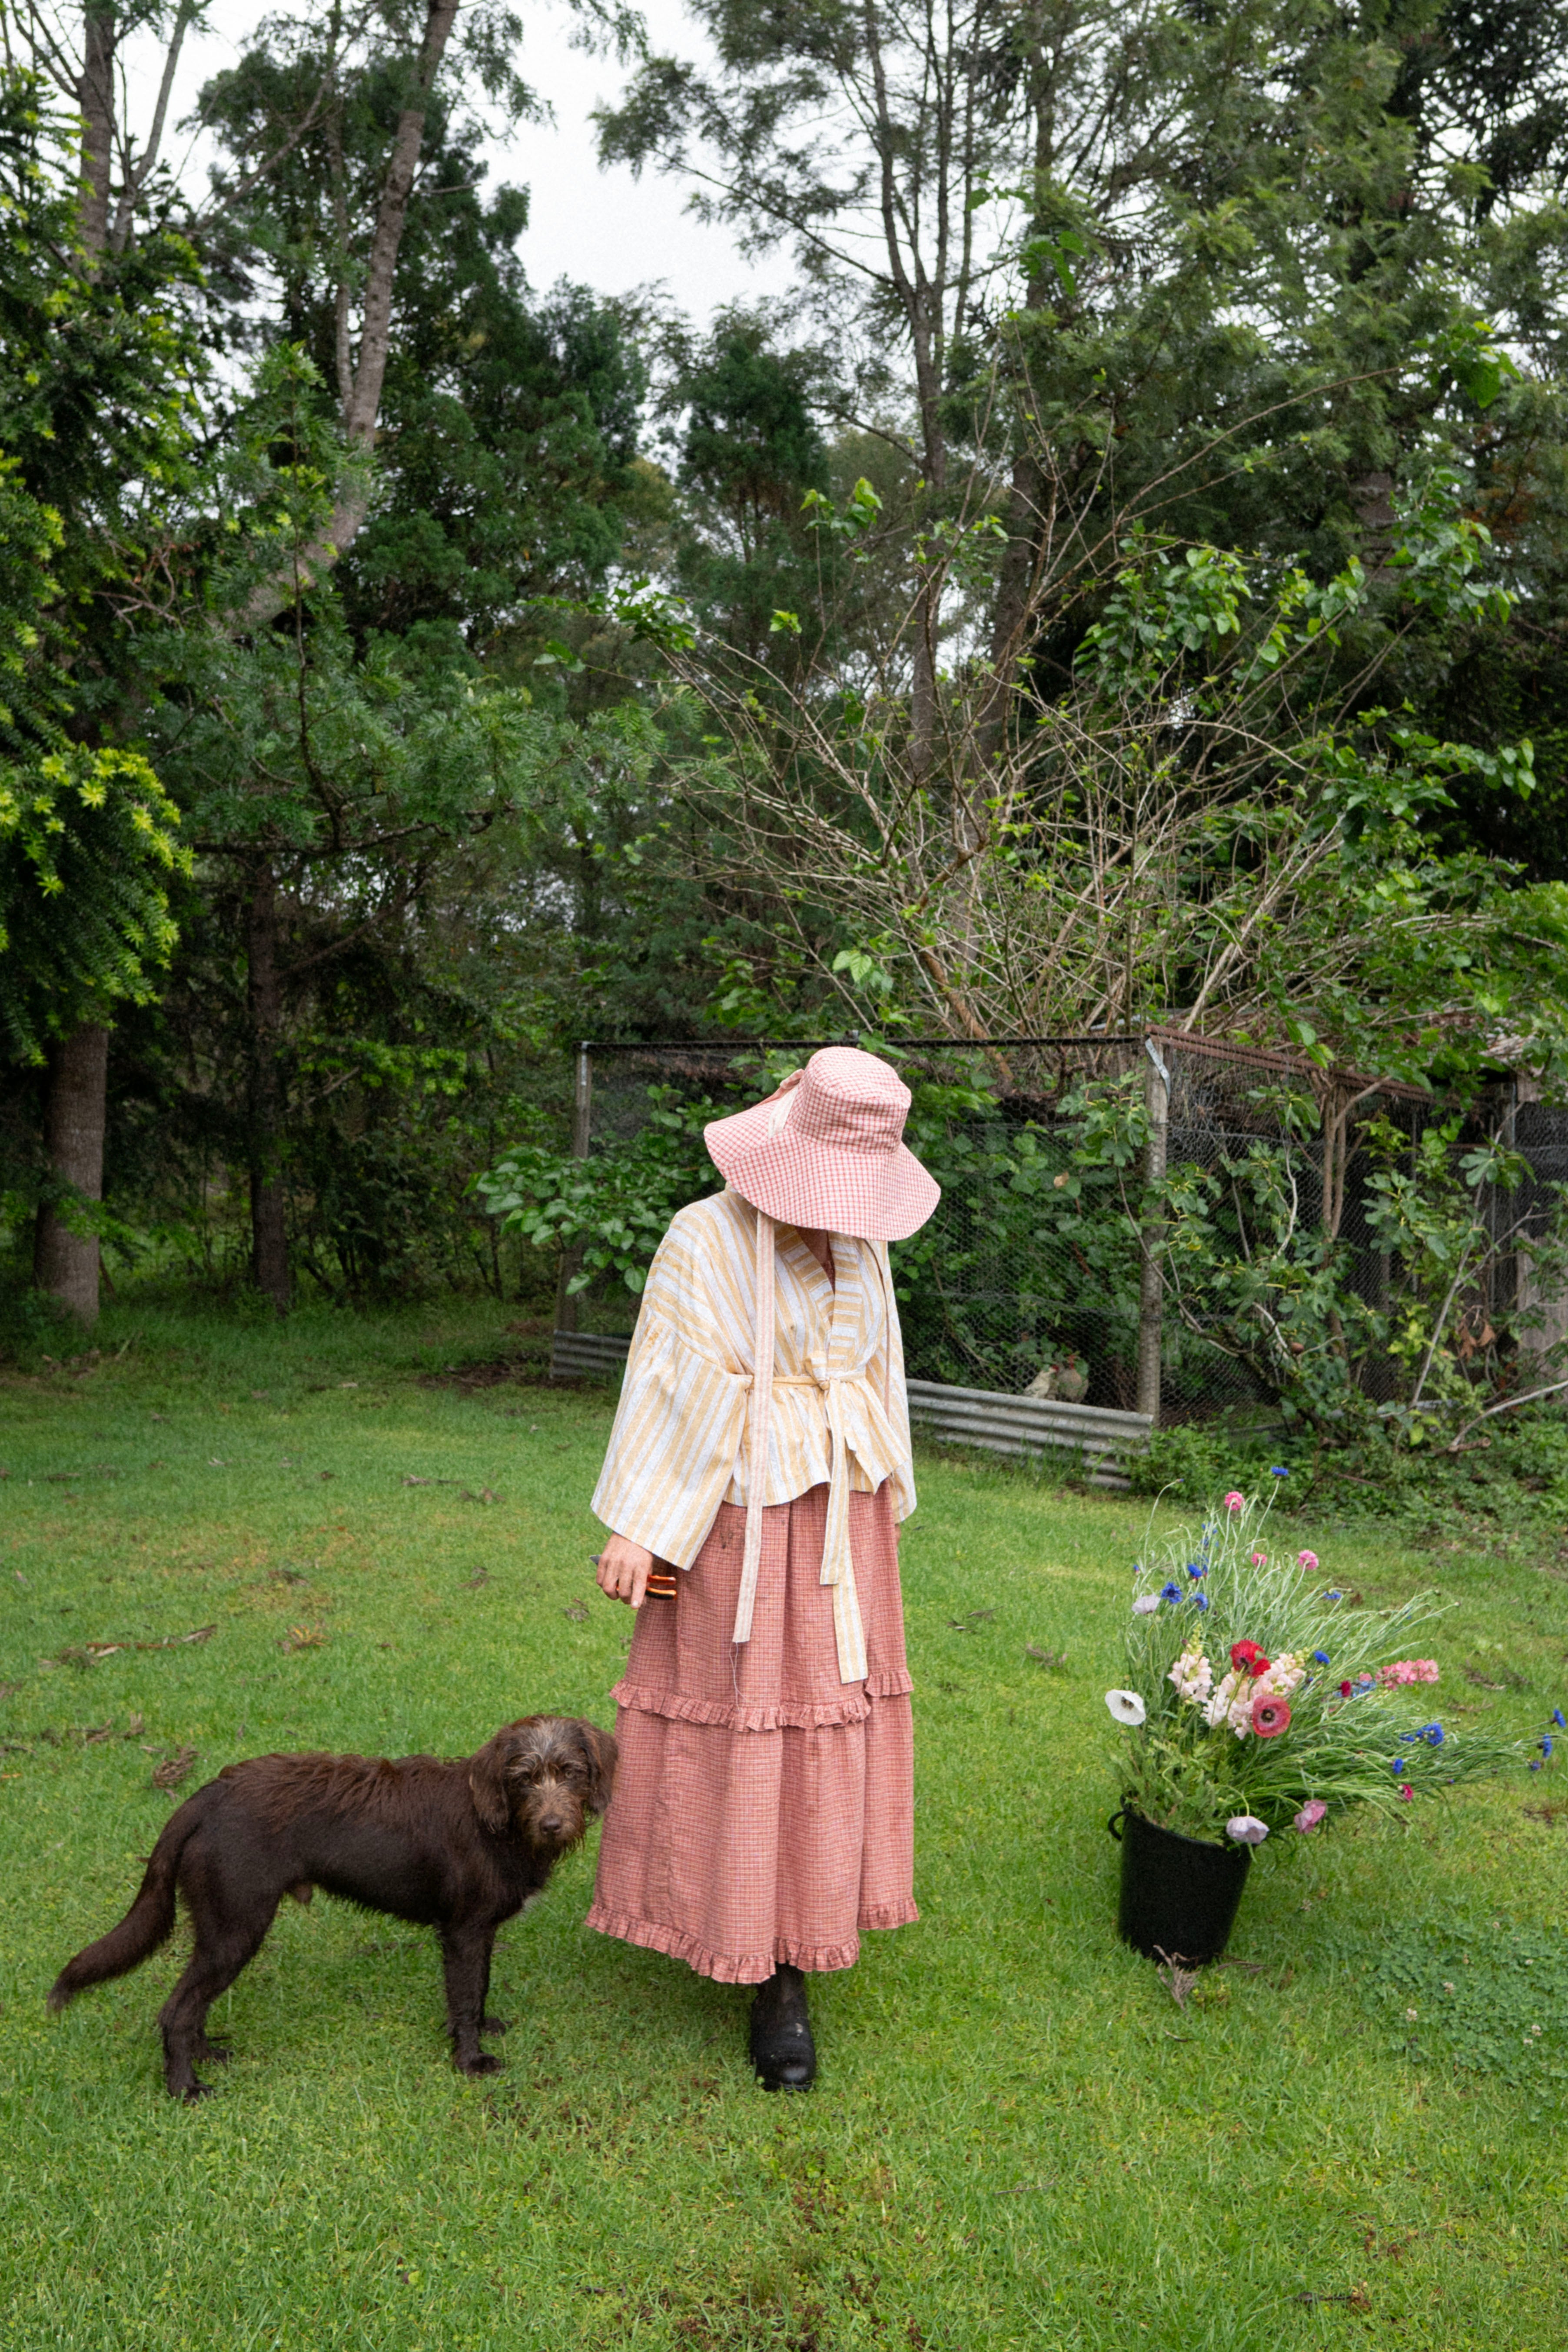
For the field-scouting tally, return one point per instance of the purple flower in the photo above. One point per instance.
(1200, 1601)
(1559, 1718)
(1320, 1657)
(1434, 1735)
(1196, 1569)
(1333, 1596)
(1547, 1745)
(1311, 1814)
(1279, 1471)
(1399, 1763)
(1171, 1592)
(1246, 1829)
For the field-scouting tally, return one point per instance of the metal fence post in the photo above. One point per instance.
(581, 1132)
(1152, 1289)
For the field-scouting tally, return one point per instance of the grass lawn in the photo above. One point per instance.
(1017, 2139)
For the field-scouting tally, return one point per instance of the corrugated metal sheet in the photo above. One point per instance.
(1026, 1428)
(1023, 1428)
(585, 1355)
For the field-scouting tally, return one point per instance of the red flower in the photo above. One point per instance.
(1345, 1689)
(1270, 1716)
(1244, 1653)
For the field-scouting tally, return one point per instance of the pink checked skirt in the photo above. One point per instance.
(764, 1809)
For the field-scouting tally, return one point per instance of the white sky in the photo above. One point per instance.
(604, 229)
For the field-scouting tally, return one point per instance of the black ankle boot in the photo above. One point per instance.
(782, 2050)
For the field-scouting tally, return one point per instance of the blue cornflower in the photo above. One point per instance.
(1196, 1568)
(1320, 1657)
(1279, 1471)
(1434, 1735)
(1200, 1601)
(1171, 1592)
(1535, 1767)
(1399, 1763)
(1559, 1718)
(1333, 1596)
(1547, 1745)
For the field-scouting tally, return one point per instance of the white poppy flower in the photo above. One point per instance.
(1126, 1706)
(1145, 1604)
(1246, 1829)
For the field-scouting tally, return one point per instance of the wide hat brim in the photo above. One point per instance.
(884, 1196)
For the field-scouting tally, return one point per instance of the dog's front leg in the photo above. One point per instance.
(466, 1955)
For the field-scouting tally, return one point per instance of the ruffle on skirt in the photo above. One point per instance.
(764, 1812)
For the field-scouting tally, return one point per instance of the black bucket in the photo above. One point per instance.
(1179, 1895)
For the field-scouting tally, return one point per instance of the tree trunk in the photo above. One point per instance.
(361, 399)
(268, 1236)
(75, 1109)
(65, 1264)
(95, 95)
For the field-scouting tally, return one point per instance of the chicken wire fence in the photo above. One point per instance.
(1041, 1272)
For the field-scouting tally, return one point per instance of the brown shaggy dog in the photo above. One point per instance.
(459, 1846)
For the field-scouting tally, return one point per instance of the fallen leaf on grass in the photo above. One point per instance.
(302, 1637)
(325, 1474)
(411, 1481)
(577, 1612)
(91, 1738)
(1177, 1981)
(1052, 1658)
(485, 1494)
(89, 1653)
(214, 1464)
(287, 1576)
(480, 1575)
(174, 1769)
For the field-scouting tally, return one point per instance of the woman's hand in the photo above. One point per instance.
(623, 1570)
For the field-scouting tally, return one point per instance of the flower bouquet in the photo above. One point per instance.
(1257, 1698)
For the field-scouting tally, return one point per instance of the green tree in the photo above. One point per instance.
(97, 374)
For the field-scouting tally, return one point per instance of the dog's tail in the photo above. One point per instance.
(146, 1926)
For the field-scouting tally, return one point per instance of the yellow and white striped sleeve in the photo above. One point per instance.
(683, 1414)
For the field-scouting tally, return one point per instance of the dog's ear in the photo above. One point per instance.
(487, 1782)
(599, 1750)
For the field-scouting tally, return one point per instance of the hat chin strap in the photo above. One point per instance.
(762, 1424)
(837, 1565)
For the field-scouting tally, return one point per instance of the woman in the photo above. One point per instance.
(764, 1808)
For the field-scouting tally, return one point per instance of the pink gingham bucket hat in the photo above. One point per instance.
(826, 1152)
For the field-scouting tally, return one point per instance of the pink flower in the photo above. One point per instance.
(1235, 1502)
(1311, 1814)
(1409, 1670)
(1246, 1829)
(1307, 1559)
(1407, 1791)
(1270, 1716)
(1261, 1560)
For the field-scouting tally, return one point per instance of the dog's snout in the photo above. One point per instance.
(552, 1823)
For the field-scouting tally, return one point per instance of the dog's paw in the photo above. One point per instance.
(483, 2064)
(495, 2025)
(195, 2093)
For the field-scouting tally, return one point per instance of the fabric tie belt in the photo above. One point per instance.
(837, 1565)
